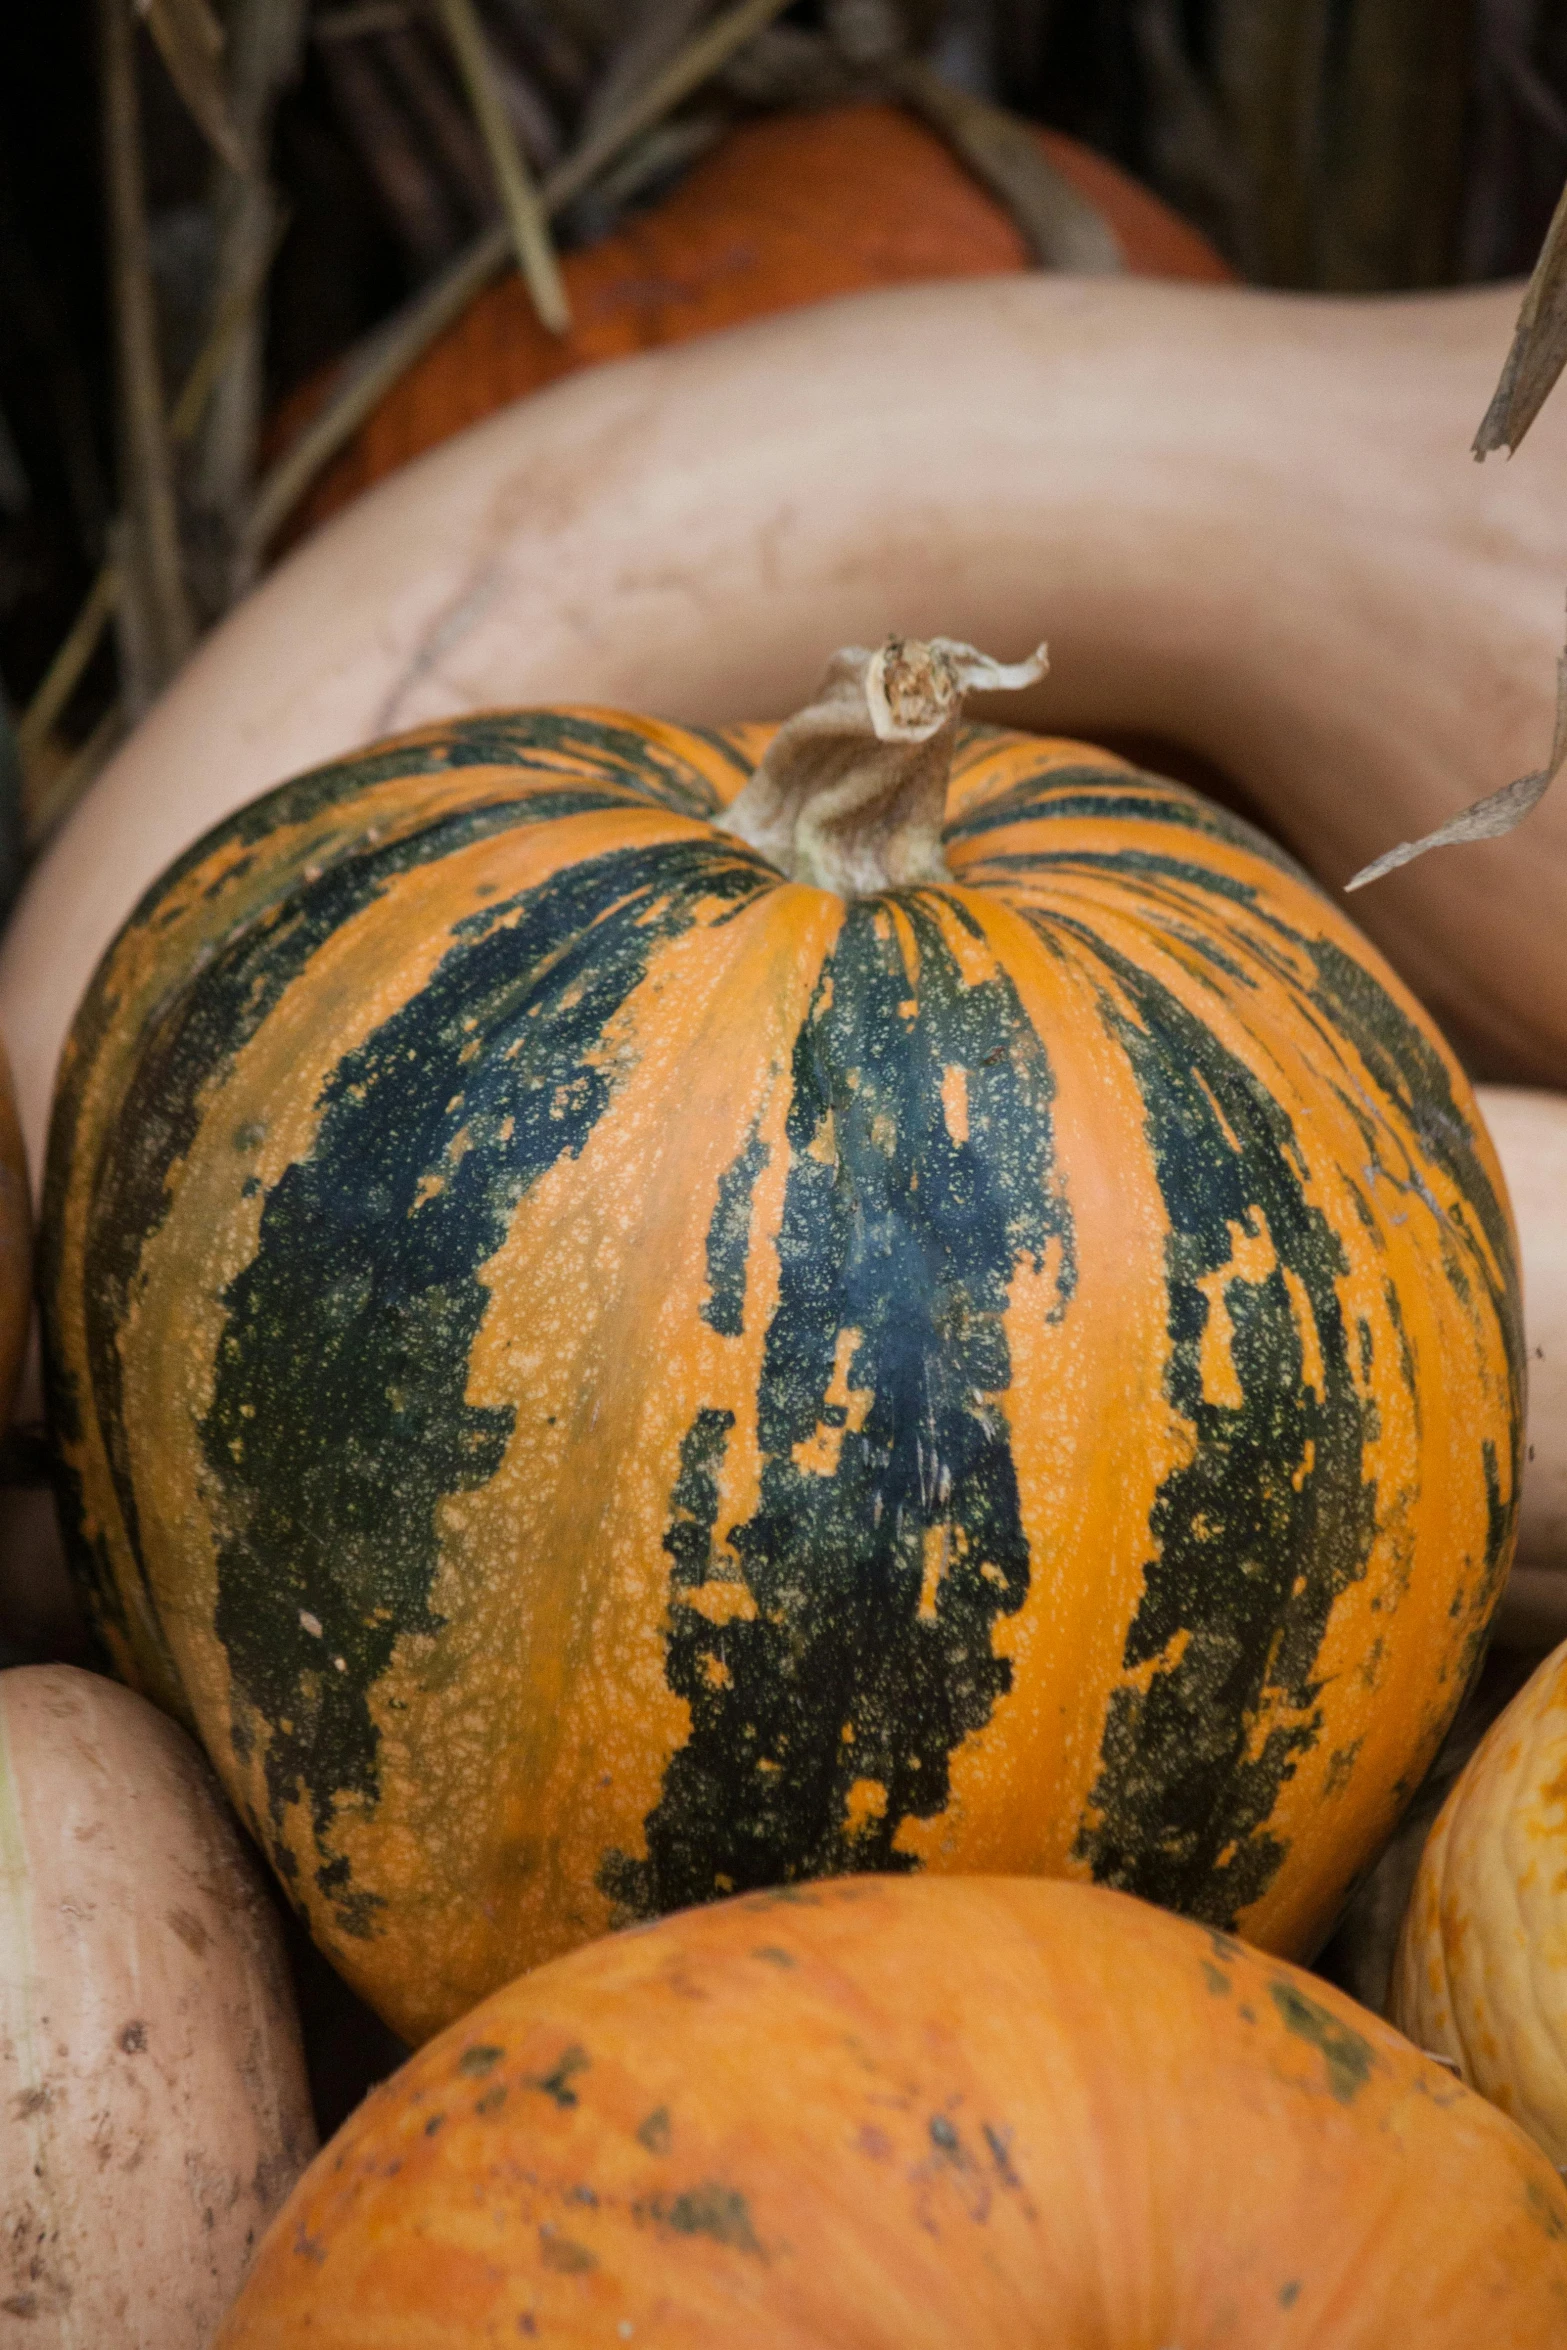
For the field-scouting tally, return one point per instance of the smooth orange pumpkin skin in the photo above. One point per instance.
(792, 209)
(913, 2115)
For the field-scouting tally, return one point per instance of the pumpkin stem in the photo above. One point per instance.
(851, 792)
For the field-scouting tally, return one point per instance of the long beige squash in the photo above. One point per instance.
(153, 2105)
(1530, 1133)
(1481, 1971)
(1249, 521)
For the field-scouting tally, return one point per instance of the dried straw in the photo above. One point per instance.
(525, 215)
(154, 580)
(393, 347)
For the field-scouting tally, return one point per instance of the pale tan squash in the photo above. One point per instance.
(153, 2104)
(1530, 1133)
(1481, 1973)
(1245, 520)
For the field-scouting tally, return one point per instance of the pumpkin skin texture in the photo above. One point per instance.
(1481, 1972)
(918, 2116)
(796, 208)
(151, 2078)
(600, 1378)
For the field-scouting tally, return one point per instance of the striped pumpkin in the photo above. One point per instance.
(598, 1376)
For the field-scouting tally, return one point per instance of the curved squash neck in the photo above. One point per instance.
(851, 793)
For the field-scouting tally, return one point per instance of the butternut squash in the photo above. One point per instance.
(1247, 521)
(795, 207)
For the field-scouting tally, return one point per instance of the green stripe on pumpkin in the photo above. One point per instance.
(848, 1675)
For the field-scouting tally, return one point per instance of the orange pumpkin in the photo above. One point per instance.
(791, 209)
(971, 2114)
(629, 1318)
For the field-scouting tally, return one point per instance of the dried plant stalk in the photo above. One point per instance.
(1539, 346)
(658, 30)
(1270, 57)
(1387, 201)
(49, 804)
(64, 672)
(153, 573)
(1191, 158)
(235, 313)
(12, 821)
(264, 41)
(454, 144)
(701, 57)
(190, 40)
(415, 198)
(393, 347)
(525, 215)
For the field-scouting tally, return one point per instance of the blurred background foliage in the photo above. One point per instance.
(306, 166)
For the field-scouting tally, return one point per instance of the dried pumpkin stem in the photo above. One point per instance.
(851, 793)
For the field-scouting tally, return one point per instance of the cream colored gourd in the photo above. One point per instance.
(153, 2104)
(1481, 1972)
(1245, 520)
(1530, 1133)
(1529, 1130)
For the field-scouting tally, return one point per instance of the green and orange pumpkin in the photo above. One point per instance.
(600, 1375)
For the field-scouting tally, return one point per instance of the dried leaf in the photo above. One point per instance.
(190, 40)
(1539, 347)
(1499, 812)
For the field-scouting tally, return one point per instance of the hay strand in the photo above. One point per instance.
(525, 216)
